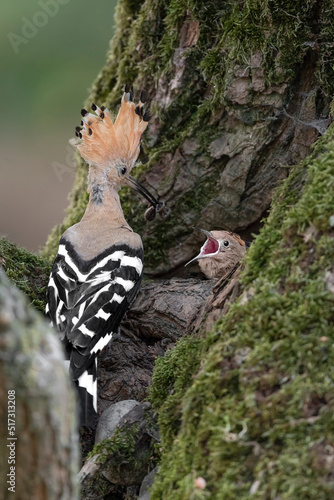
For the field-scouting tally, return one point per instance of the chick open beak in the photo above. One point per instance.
(158, 206)
(211, 246)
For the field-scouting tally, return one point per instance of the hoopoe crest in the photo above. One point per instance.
(112, 146)
(104, 141)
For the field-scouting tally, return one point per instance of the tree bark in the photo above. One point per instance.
(39, 444)
(161, 314)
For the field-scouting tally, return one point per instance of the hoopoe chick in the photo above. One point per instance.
(221, 252)
(99, 265)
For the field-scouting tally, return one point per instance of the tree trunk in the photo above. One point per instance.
(238, 92)
(39, 455)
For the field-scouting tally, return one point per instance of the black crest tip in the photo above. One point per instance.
(127, 88)
(80, 135)
(147, 116)
(83, 112)
(102, 115)
(94, 107)
(90, 131)
(102, 108)
(78, 128)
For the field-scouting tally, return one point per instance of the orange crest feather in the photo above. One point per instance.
(104, 141)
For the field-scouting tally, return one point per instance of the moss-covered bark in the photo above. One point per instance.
(27, 271)
(255, 417)
(38, 429)
(236, 88)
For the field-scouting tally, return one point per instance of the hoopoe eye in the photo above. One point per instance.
(123, 170)
(226, 243)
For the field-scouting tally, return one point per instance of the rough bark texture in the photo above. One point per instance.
(160, 315)
(41, 428)
(163, 312)
(238, 91)
(223, 293)
(163, 308)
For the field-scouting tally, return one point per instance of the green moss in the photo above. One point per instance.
(289, 210)
(172, 375)
(120, 446)
(124, 458)
(258, 413)
(27, 271)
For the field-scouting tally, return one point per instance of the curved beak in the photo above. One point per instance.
(159, 206)
(211, 246)
(141, 190)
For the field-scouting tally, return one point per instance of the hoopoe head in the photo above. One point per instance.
(221, 252)
(112, 147)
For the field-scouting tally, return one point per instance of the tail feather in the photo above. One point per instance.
(87, 390)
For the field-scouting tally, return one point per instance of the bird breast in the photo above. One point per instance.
(218, 265)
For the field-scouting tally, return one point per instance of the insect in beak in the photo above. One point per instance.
(157, 207)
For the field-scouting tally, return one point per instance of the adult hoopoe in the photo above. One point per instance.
(98, 268)
(221, 252)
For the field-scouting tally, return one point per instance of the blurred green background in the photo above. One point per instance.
(50, 53)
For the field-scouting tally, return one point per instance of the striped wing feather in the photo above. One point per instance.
(86, 301)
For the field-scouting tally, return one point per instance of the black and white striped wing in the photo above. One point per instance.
(87, 300)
